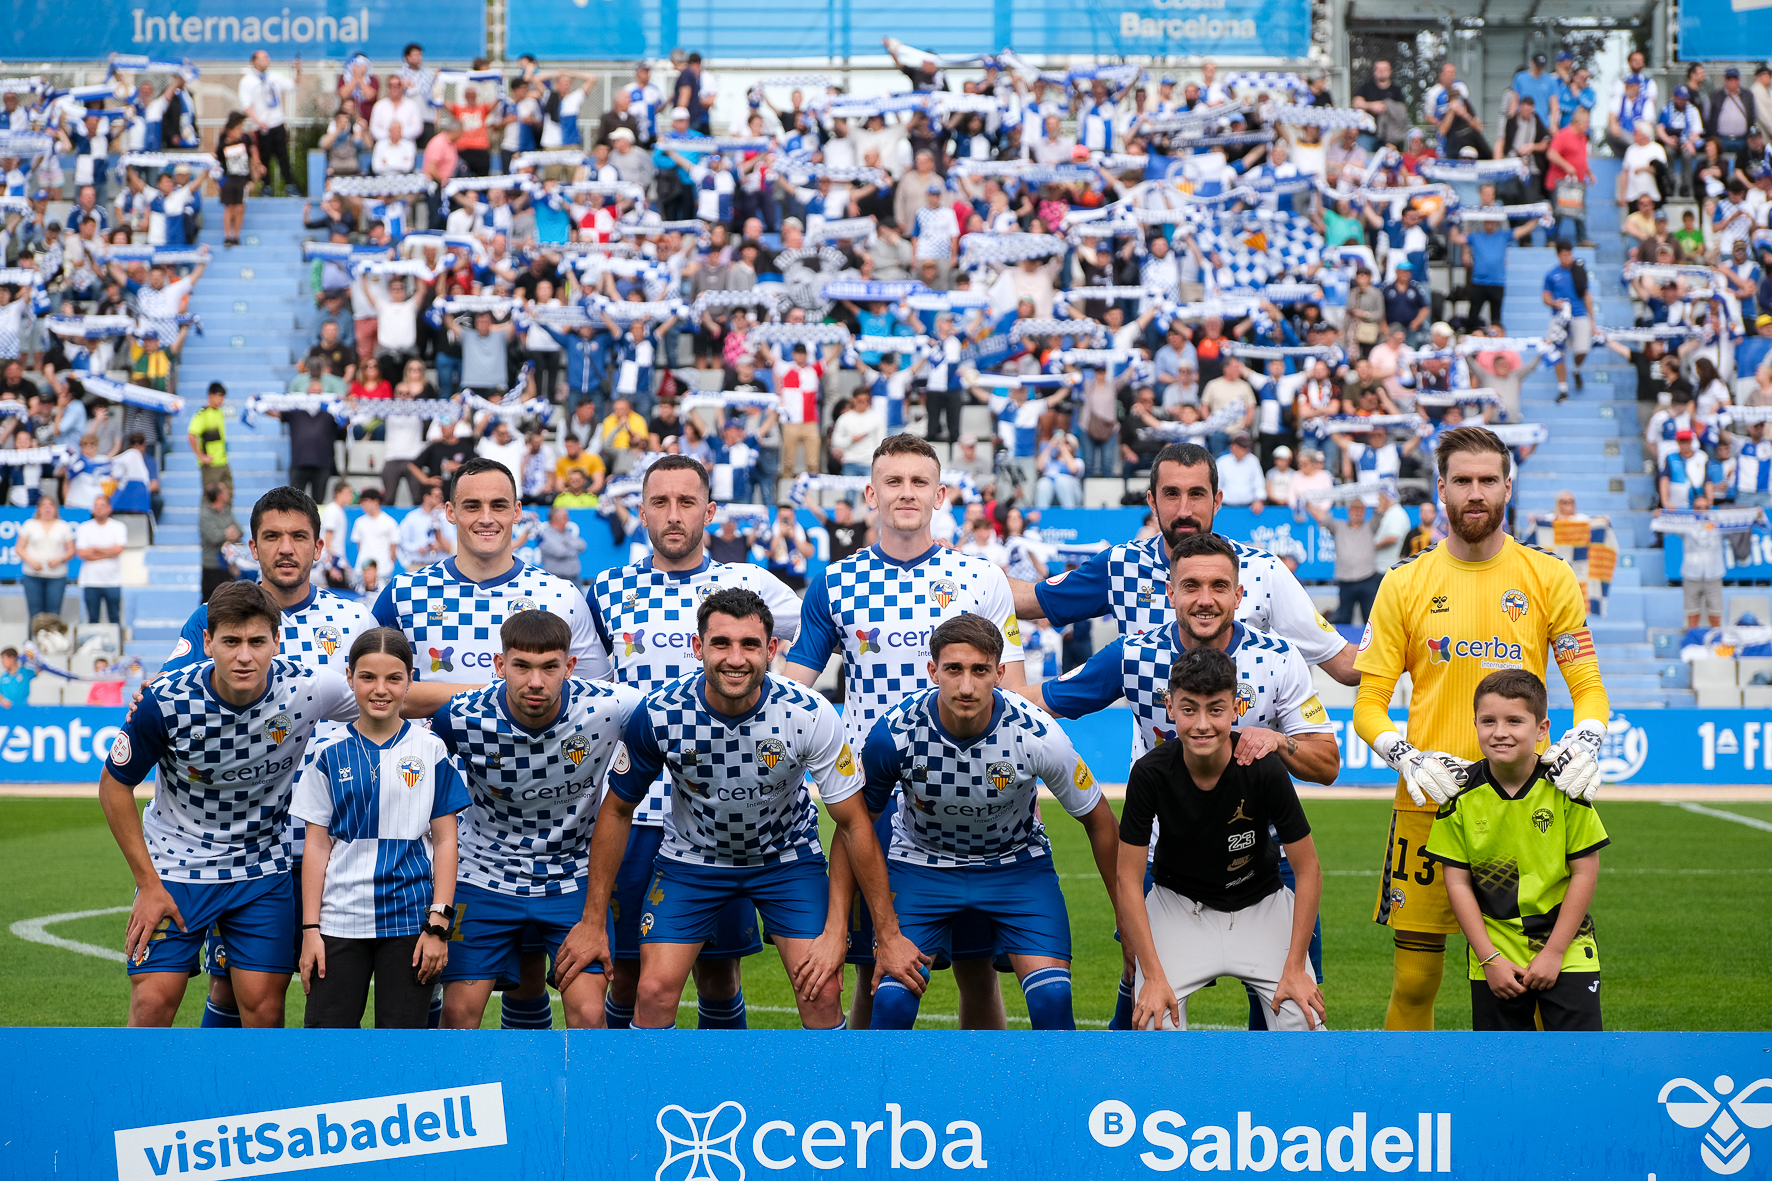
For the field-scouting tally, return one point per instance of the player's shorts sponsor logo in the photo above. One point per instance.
(412, 770)
(1494, 652)
(329, 638)
(1245, 697)
(277, 729)
(708, 1145)
(771, 751)
(1001, 775)
(576, 749)
(944, 591)
(845, 761)
(442, 660)
(1514, 605)
(181, 648)
(1725, 1148)
(120, 749)
(1366, 637)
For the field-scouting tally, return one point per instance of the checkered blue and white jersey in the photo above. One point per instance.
(1274, 687)
(318, 631)
(453, 623)
(880, 611)
(1130, 581)
(535, 792)
(972, 801)
(738, 785)
(644, 619)
(221, 806)
(376, 802)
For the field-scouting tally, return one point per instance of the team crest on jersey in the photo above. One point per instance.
(442, 660)
(515, 605)
(412, 769)
(771, 751)
(704, 590)
(635, 643)
(278, 728)
(1439, 651)
(1245, 697)
(1541, 819)
(1515, 605)
(328, 638)
(944, 591)
(870, 639)
(576, 749)
(1002, 775)
(1396, 899)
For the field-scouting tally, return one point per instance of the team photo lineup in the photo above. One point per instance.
(605, 821)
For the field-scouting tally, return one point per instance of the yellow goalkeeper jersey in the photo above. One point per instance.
(1450, 623)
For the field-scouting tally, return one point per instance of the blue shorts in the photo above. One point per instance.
(735, 932)
(214, 957)
(257, 917)
(491, 930)
(685, 902)
(1020, 905)
(973, 938)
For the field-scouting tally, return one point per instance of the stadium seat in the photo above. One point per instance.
(1719, 698)
(977, 420)
(1713, 674)
(140, 528)
(46, 689)
(364, 457)
(1757, 697)
(1748, 667)
(1759, 606)
(12, 608)
(1103, 492)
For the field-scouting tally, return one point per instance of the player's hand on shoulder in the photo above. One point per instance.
(1256, 742)
(1573, 764)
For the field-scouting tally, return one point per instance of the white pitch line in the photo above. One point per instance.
(32, 930)
(1750, 821)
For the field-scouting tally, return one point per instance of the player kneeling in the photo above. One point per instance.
(968, 838)
(738, 743)
(1218, 907)
(1522, 860)
(380, 803)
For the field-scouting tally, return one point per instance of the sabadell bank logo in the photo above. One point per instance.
(1725, 1148)
(1170, 1142)
(714, 1145)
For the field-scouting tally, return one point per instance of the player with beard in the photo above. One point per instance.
(1449, 616)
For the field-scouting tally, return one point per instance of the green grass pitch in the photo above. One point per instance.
(1681, 915)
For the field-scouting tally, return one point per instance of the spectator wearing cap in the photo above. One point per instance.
(1730, 114)
(1574, 95)
(1534, 82)
(1680, 130)
(1630, 108)
(1682, 476)
(676, 186)
(1755, 350)
(1755, 158)
(1281, 476)
(630, 163)
(1635, 64)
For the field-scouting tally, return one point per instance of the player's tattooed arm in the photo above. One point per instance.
(1314, 757)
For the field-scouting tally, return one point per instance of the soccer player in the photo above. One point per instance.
(643, 616)
(1218, 907)
(379, 803)
(1276, 707)
(318, 628)
(968, 838)
(1474, 604)
(880, 605)
(1521, 863)
(534, 746)
(451, 612)
(228, 736)
(738, 744)
(1126, 580)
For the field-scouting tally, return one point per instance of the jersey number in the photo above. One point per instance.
(1423, 876)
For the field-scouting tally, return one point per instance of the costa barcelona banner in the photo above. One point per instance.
(731, 1106)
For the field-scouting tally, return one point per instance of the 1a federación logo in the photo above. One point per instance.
(1725, 1148)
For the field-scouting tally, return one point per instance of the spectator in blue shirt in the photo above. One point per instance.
(1485, 257)
(1567, 283)
(1536, 83)
(15, 682)
(1572, 94)
(1405, 304)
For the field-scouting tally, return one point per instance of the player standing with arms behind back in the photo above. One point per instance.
(1476, 603)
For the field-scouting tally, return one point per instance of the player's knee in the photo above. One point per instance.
(895, 1006)
(1048, 993)
(717, 979)
(624, 983)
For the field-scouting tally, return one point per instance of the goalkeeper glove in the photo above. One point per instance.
(1427, 775)
(1573, 762)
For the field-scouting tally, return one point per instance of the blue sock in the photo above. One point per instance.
(721, 1014)
(1123, 1007)
(435, 1021)
(895, 1006)
(617, 1016)
(650, 1028)
(1257, 1019)
(217, 1017)
(1048, 993)
(526, 1012)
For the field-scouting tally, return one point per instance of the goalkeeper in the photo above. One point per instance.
(1450, 616)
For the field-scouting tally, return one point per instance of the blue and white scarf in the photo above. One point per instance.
(132, 395)
(380, 186)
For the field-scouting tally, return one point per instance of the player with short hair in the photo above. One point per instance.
(451, 612)
(738, 744)
(212, 848)
(1522, 862)
(643, 616)
(1277, 705)
(968, 759)
(534, 746)
(1476, 603)
(1218, 906)
(879, 606)
(317, 627)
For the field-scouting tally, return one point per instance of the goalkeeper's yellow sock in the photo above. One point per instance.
(1415, 981)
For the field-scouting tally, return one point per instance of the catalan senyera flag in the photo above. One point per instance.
(1590, 548)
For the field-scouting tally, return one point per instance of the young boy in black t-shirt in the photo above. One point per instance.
(1218, 907)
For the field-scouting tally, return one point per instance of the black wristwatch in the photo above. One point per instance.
(437, 929)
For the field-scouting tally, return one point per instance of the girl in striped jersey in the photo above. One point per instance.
(379, 879)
